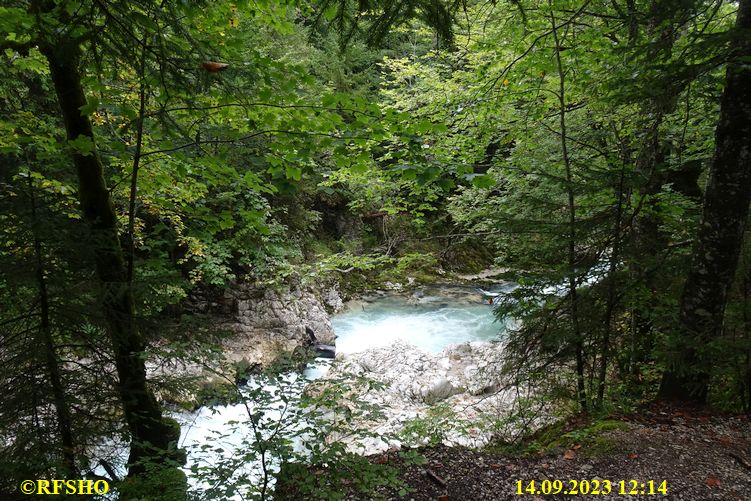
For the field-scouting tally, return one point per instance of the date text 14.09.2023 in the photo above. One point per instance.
(592, 487)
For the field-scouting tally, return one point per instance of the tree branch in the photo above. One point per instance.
(249, 136)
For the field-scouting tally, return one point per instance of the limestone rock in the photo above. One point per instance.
(440, 390)
(269, 323)
(464, 377)
(332, 300)
(284, 314)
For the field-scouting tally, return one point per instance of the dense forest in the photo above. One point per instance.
(158, 157)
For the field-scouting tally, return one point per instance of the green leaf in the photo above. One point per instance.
(83, 145)
(294, 173)
(144, 20)
(90, 107)
(483, 181)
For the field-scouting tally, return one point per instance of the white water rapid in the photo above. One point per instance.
(430, 323)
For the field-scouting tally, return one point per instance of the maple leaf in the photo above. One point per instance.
(569, 454)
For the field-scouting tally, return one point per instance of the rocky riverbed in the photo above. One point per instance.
(453, 396)
(433, 353)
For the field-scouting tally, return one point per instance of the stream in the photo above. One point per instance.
(429, 319)
(221, 438)
(430, 322)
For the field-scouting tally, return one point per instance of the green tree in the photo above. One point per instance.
(720, 238)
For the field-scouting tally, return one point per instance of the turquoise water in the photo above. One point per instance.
(428, 322)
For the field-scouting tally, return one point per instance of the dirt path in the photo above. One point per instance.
(702, 457)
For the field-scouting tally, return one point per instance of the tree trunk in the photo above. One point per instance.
(720, 236)
(578, 340)
(645, 247)
(62, 410)
(151, 435)
(615, 255)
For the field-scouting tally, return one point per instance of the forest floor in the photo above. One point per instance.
(700, 455)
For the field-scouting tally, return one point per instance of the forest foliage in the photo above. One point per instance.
(152, 151)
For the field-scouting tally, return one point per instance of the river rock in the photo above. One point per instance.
(466, 378)
(269, 323)
(332, 300)
(284, 314)
(440, 390)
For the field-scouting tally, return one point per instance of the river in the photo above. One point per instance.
(220, 440)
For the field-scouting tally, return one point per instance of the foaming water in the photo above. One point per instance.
(430, 323)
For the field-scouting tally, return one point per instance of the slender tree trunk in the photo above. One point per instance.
(151, 436)
(720, 236)
(646, 249)
(62, 410)
(745, 358)
(572, 286)
(611, 297)
(133, 200)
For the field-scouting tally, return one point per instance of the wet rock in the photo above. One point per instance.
(325, 351)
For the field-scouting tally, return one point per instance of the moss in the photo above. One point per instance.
(559, 436)
(422, 268)
(315, 248)
(607, 425)
(600, 446)
(471, 256)
(354, 283)
(551, 434)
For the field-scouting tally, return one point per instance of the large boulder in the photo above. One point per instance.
(287, 315)
(269, 324)
(265, 325)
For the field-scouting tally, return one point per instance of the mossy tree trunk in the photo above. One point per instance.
(152, 437)
(720, 236)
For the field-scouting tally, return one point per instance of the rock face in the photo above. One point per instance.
(465, 379)
(286, 315)
(264, 324)
(332, 300)
(270, 322)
